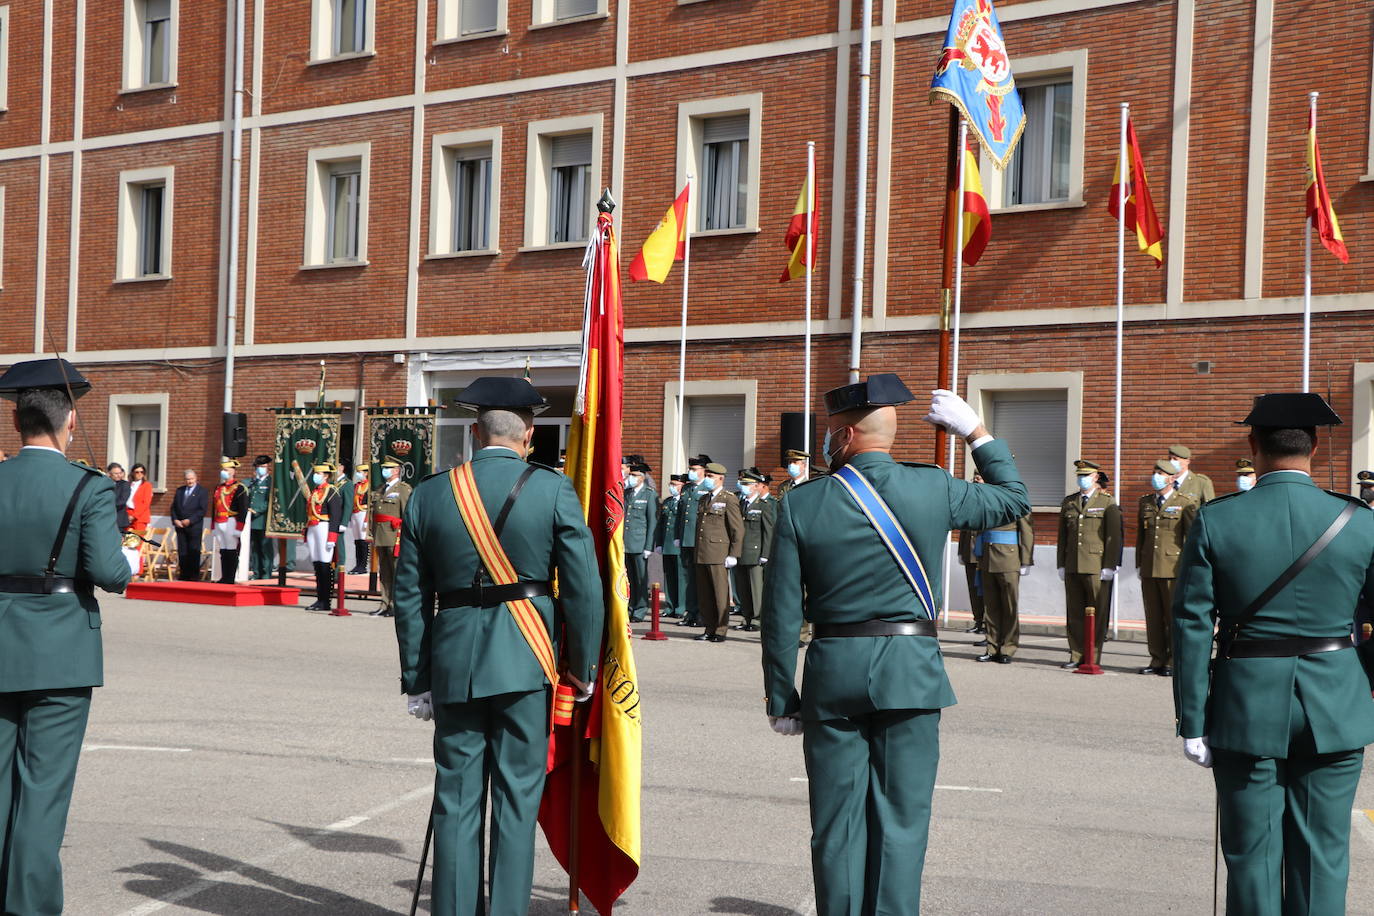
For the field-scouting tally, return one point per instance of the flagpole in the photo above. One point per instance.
(681, 454)
(958, 243)
(810, 260)
(1307, 271)
(1125, 174)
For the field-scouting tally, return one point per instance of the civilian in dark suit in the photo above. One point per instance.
(121, 494)
(189, 506)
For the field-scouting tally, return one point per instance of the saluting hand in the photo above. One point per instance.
(952, 412)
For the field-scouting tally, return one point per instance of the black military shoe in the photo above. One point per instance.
(981, 642)
(1070, 664)
(1004, 659)
(1166, 671)
(702, 637)
(1149, 670)
(716, 638)
(977, 628)
(986, 658)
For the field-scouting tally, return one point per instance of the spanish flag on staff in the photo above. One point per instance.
(1141, 217)
(977, 220)
(799, 228)
(590, 809)
(1319, 209)
(666, 244)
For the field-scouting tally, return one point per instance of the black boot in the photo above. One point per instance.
(321, 588)
(228, 566)
(360, 564)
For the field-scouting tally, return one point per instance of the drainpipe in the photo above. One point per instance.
(861, 210)
(235, 193)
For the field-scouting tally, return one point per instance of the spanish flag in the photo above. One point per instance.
(798, 230)
(1141, 217)
(607, 836)
(1319, 209)
(665, 244)
(977, 219)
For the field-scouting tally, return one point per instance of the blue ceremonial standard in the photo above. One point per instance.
(974, 74)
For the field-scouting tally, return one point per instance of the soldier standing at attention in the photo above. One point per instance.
(851, 553)
(1197, 486)
(483, 666)
(323, 525)
(969, 551)
(259, 545)
(50, 649)
(1008, 551)
(641, 517)
(759, 510)
(1089, 552)
(388, 509)
(667, 543)
(798, 473)
(360, 493)
(1283, 713)
(1165, 518)
(229, 503)
(720, 537)
(687, 533)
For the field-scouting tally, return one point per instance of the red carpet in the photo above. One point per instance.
(213, 593)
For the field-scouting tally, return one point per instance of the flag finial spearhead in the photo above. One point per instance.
(607, 203)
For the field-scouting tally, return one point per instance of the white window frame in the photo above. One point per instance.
(540, 136)
(448, 26)
(691, 118)
(1032, 71)
(131, 184)
(135, 47)
(322, 32)
(542, 14)
(117, 433)
(984, 387)
(671, 456)
(1369, 158)
(319, 163)
(2, 236)
(1362, 423)
(4, 58)
(441, 193)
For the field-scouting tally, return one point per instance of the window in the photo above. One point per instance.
(4, 57)
(459, 19)
(718, 144)
(341, 29)
(1046, 170)
(144, 245)
(150, 43)
(562, 171)
(465, 196)
(336, 206)
(552, 12)
(720, 422)
(137, 433)
(350, 26)
(1039, 415)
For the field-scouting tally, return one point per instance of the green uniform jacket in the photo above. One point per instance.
(1089, 536)
(464, 653)
(641, 517)
(687, 516)
(1009, 558)
(1199, 487)
(52, 642)
(390, 502)
(829, 566)
(759, 517)
(665, 532)
(720, 528)
(1238, 546)
(258, 491)
(1162, 532)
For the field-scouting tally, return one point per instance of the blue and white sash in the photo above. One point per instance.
(888, 528)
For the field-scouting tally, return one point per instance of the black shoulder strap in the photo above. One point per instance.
(66, 520)
(510, 500)
(1291, 572)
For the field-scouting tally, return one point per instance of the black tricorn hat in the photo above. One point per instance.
(261, 460)
(42, 373)
(700, 461)
(882, 390)
(678, 478)
(1291, 410)
(495, 392)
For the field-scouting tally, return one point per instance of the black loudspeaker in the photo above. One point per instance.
(792, 437)
(235, 435)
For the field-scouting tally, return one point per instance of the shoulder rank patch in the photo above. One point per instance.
(86, 467)
(1348, 498)
(919, 464)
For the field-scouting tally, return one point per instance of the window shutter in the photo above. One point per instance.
(728, 127)
(566, 9)
(1035, 427)
(715, 427)
(157, 9)
(478, 16)
(575, 149)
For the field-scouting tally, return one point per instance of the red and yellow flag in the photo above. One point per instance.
(665, 244)
(977, 219)
(608, 832)
(799, 229)
(1319, 209)
(1141, 217)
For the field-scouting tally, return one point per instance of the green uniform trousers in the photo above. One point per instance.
(1285, 826)
(262, 553)
(749, 588)
(1082, 590)
(505, 739)
(713, 592)
(688, 561)
(40, 742)
(386, 576)
(870, 779)
(674, 586)
(1001, 598)
(975, 594)
(637, 568)
(1159, 619)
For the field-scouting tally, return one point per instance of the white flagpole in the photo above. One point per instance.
(958, 302)
(810, 250)
(681, 461)
(1307, 274)
(1124, 177)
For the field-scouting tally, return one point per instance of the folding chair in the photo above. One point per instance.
(158, 556)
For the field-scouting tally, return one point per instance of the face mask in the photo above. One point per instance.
(1085, 482)
(360, 477)
(794, 470)
(260, 471)
(317, 479)
(706, 486)
(1158, 481)
(742, 487)
(224, 475)
(676, 488)
(1245, 482)
(634, 480)
(825, 449)
(387, 472)
(1177, 467)
(693, 477)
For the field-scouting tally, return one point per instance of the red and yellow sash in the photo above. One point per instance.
(499, 567)
(359, 498)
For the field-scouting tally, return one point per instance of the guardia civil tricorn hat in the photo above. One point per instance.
(1291, 410)
(882, 390)
(494, 392)
(42, 373)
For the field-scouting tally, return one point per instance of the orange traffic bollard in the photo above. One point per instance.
(1089, 665)
(655, 603)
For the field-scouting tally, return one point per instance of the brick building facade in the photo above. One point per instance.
(417, 179)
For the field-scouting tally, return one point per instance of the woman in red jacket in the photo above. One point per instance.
(140, 503)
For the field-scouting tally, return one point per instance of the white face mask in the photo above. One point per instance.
(707, 486)
(634, 480)
(794, 470)
(1086, 481)
(1177, 467)
(743, 487)
(387, 473)
(317, 479)
(693, 477)
(1158, 480)
(1247, 481)
(224, 474)
(360, 477)
(260, 470)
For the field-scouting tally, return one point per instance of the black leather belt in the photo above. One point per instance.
(37, 585)
(1285, 648)
(492, 595)
(874, 628)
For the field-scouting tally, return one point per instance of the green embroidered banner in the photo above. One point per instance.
(407, 434)
(306, 436)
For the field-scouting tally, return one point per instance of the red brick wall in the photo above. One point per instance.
(524, 52)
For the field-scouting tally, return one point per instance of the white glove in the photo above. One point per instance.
(677, 542)
(1061, 574)
(648, 553)
(1025, 570)
(584, 691)
(730, 562)
(1198, 751)
(790, 726)
(421, 706)
(658, 549)
(763, 561)
(952, 412)
(1108, 575)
